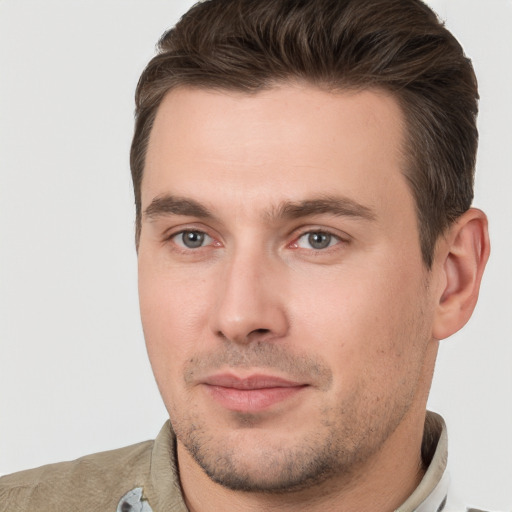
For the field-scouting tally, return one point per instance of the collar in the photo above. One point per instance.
(432, 492)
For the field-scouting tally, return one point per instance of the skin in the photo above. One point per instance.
(352, 326)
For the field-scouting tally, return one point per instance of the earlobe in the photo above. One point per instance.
(463, 256)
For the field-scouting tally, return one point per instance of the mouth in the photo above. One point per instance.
(251, 394)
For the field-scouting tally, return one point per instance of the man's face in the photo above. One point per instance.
(284, 300)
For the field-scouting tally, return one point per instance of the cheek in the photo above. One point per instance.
(174, 316)
(362, 321)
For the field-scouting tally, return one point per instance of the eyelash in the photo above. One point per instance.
(337, 239)
(171, 238)
(323, 233)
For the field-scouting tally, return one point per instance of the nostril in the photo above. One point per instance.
(254, 335)
(260, 331)
(257, 335)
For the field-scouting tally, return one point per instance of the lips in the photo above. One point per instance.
(253, 393)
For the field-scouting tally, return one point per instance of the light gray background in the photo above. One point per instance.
(74, 378)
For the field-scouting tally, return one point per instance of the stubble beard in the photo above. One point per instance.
(267, 469)
(336, 450)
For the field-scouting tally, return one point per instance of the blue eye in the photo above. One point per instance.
(316, 240)
(192, 239)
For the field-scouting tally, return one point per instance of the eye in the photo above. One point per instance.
(316, 240)
(192, 239)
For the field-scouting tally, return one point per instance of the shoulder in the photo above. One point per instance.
(97, 481)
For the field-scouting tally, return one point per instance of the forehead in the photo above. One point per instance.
(284, 143)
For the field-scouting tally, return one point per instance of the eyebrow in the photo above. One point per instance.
(174, 205)
(326, 205)
(162, 206)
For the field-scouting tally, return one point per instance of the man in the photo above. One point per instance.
(303, 181)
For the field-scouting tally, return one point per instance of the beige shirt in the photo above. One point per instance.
(144, 478)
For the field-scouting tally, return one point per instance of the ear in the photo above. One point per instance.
(460, 259)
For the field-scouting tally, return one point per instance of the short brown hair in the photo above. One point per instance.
(396, 45)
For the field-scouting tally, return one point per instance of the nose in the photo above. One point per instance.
(251, 301)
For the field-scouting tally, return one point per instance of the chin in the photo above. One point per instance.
(253, 460)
